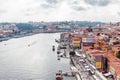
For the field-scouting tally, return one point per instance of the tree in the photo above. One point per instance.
(72, 53)
(57, 27)
(118, 54)
(45, 27)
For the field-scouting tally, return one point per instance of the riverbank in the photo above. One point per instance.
(65, 49)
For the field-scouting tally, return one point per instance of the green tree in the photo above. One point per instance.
(45, 27)
(57, 27)
(72, 53)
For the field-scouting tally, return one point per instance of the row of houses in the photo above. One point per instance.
(101, 45)
(6, 30)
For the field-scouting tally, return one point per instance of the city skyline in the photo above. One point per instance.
(59, 10)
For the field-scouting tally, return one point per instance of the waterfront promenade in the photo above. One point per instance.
(83, 73)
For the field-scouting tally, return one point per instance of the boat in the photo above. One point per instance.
(57, 41)
(53, 48)
(58, 52)
(59, 76)
(58, 58)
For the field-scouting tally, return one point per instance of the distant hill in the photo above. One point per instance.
(88, 23)
(24, 26)
(45, 25)
(80, 23)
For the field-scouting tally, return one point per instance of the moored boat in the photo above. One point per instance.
(59, 76)
(57, 41)
(53, 48)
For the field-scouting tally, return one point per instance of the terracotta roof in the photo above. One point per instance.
(96, 52)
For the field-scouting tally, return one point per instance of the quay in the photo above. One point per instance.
(66, 50)
(79, 49)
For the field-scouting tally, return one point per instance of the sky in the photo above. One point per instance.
(59, 10)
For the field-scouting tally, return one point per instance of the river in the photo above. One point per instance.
(31, 58)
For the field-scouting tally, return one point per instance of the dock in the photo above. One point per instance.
(72, 74)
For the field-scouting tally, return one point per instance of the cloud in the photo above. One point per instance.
(52, 10)
(31, 11)
(2, 11)
(91, 2)
(103, 2)
(98, 2)
(47, 6)
(52, 1)
(118, 13)
(79, 5)
(79, 8)
(27, 14)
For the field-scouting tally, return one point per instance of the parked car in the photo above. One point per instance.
(86, 66)
(62, 47)
(91, 72)
(82, 60)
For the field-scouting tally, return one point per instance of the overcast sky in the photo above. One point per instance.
(59, 10)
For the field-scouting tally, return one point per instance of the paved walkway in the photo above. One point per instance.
(78, 77)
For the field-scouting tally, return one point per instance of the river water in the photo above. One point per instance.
(31, 58)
